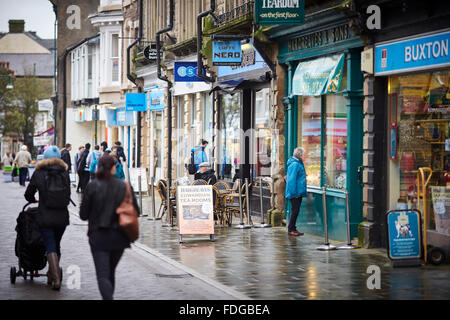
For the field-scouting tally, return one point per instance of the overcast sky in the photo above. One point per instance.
(38, 16)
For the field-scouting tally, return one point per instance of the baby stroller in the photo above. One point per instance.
(30, 247)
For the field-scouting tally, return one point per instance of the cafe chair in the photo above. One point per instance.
(231, 206)
(199, 182)
(165, 202)
(218, 210)
(221, 185)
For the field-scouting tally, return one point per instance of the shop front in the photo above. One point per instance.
(324, 115)
(417, 71)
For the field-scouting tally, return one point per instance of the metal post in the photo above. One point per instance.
(326, 246)
(349, 245)
(262, 224)
(152, 179)
(241, 225)
(140, 196)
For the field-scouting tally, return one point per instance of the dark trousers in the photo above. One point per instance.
(79, 182)
(84, 179)
(296, 203)
(105, 268)
(52, 239)
(23, 172)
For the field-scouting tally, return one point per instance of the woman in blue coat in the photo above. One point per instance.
(295, 187)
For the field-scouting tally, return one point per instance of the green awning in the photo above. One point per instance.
(319, 76)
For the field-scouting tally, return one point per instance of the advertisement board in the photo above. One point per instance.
(186, 71)
(195, 209)
(286, 12)
(156, 98)
(136, 102)
(404, 234)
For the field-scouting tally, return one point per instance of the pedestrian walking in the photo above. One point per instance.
(7, 160)
(295, 187)
(76, 158)
(23, 160)
(200, 154)
(119, 151)
(119, 168)
(92, 161)
(83, 169)
(104, 148)
(107, 239)
(51, 179)
(65, 156)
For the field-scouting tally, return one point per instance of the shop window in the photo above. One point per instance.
(419, 137)
(263, 133)
(114, 59)
(207, 118)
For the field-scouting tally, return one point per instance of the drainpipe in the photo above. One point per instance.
(139, 127)
(66, 53)
(169, 96)
(200, 17)
(55, 66)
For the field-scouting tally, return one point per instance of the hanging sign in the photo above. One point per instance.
(419, 53)
(186, 72)
(227, 53)
(195, 209)
(319, 76)
(287, 12)
(156, 100)
(404, 234)
(136, 102)
(151, 53)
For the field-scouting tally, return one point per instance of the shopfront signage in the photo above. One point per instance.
(45, 105)
(319, 76)
(227, 53)
(151, 53)
(320, 38)
(134, 174)
(286, 12)
(136, 102)
(404, 234)
(195, 209)
(186, 72)
(412, 54)
(119, 117)
(156, 98)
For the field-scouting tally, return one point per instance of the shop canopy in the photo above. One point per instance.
(319, 76)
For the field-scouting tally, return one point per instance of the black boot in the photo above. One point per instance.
(53, 264)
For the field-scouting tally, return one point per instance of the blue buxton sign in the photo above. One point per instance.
(136, 102)
(412, 54)
(227, 53)
(156, 100)
(186, 72)
(404, 234)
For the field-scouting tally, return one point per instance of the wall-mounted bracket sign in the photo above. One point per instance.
(156, 99)
(186, 72)
(227, 53)
(136, 102)
(150, 52)
(286, 12)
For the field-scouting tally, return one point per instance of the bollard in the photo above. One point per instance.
(349, 245)
(241, 225)
(262, 224)
(140, 197)
(326, 246)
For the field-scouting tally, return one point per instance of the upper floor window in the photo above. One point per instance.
(114, 58)
(109, 2)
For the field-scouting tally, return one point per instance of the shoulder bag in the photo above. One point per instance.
(128, 216)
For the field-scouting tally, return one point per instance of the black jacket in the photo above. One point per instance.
(81, 165)
(48, 218)
(65, 156)
(121, 153)
(206, 176)
(100, 201)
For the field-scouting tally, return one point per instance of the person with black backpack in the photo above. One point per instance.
(83, 169)
(51, 179)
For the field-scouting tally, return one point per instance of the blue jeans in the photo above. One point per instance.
(52, 239)
(23, 172)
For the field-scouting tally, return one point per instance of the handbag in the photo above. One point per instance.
(128, 216)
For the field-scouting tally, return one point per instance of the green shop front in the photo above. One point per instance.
(324, 115)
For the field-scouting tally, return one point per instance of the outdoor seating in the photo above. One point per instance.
(199, 182)
(231, 205)
(221, 185)
(165, 202)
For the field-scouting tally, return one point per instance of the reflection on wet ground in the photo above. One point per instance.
(269, 264)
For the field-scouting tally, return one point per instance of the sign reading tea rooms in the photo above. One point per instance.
(270, 12)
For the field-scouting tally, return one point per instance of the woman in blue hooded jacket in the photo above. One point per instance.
(295, 187)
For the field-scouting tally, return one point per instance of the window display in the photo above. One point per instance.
(423, 116)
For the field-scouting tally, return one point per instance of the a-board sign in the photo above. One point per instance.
(134, 174)
(404, 234)
(195, 209)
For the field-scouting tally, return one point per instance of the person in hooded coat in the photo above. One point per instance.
(52, 219)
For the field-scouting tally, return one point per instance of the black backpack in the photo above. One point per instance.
(57, 190)
(192, 169)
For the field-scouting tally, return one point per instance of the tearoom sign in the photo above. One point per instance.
(287, 12)
(195, 210)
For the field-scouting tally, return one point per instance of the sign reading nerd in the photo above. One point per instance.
(195, 209)
(270, 12)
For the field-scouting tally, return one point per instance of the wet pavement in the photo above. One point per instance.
(269, 264)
